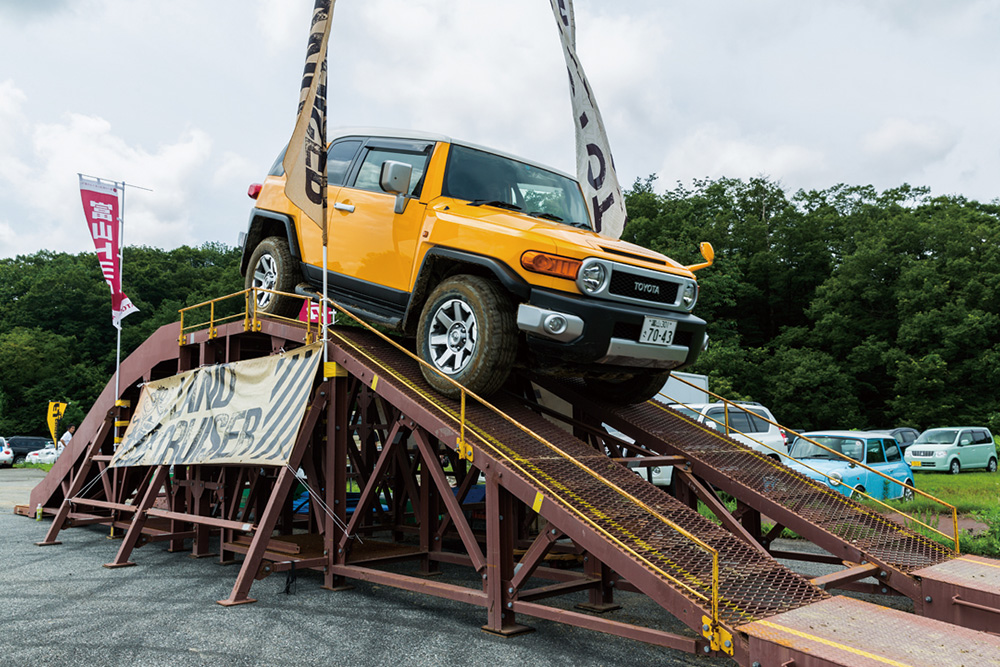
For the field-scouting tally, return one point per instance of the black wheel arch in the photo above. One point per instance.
(442, 263)
(264, 224)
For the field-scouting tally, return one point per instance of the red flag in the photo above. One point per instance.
(101, 207)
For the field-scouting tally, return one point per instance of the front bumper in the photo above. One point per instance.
(609, 335)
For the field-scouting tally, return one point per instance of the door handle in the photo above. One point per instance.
(348, 208)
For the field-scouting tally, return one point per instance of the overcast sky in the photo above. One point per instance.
(194, 99)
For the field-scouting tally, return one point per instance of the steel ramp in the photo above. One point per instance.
(909, 563)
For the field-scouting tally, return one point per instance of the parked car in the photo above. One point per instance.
(904, 435)
(6, 453)
(954, 449)
(22, 445)
(48, 454)
(658, 475)
(749, 423)
(490, 261)
(875, 449)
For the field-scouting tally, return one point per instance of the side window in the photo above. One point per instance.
(980, 437)
(757, 422)
(909, 436)
(738, 421)
(338, 160)
(715, 418)
(965, 438)
(371, 169)
(875, 455)
(891, 451)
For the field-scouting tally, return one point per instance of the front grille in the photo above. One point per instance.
(920, 452)
(640, 287)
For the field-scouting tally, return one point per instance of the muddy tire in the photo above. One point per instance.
(638, 388)
(468, 332)
(272, 267)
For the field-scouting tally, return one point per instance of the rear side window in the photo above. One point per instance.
(891, 451)
(757, 422)
(908, 436)
(874, 449)
(981, 437)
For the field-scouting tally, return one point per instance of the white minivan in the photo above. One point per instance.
(749, 423)
(953, 449)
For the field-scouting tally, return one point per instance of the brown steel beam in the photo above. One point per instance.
(719, 509)
(135, 528)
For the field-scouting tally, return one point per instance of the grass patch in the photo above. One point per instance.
(40, 466)
(970, 492)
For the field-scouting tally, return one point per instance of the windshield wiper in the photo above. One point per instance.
(545, 216)
(495, 202)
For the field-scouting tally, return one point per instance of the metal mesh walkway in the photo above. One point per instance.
(813, 502)
(609, 499)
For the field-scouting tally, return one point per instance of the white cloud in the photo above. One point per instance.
(906, 144)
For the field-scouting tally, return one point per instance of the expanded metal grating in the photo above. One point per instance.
(853, 523)
(752, 585)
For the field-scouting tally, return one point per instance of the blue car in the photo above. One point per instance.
(876, 450)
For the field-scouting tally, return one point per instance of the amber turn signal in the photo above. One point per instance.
(553, 265)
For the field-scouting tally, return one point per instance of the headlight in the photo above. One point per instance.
(592, 278)
(656, 470)
(690, 296)
(835, 478)
(939, 455)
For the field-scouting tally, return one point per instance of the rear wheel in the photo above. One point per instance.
(18, 459)
(637, 388)
(272, 268)
(467, 332)
(991, 466)
(955, 467)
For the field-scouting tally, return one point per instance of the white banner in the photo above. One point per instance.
(594, 165)
(305, 159)
(243, 412)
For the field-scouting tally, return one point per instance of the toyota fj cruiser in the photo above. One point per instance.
(489, 260)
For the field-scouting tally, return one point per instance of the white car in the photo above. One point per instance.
(953, 449)
(6, 453)
(47, 455)
(749, 423)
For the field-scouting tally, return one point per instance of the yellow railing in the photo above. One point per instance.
(727, 403)
(252, 323)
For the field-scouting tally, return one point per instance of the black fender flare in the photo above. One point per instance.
(450, 258)
(265, 223)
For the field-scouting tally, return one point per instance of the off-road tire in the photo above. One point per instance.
(637, 388)
(482, 338)
(272, 267)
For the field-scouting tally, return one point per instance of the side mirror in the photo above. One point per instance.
(708, 252)
(395, 179)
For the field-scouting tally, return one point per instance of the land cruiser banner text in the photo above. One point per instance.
(243, 412)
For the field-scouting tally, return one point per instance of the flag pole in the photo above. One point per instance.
(323, 186)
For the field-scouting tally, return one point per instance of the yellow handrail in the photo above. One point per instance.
(520, 465)
(727, 403)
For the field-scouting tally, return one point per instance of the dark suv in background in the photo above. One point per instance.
(25, 444)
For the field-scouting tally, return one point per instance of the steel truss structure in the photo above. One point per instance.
(401, 481)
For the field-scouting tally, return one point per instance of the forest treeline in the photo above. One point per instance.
(846, 307)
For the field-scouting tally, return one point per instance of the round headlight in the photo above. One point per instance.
(835, 478)
(656, 470)
(689, 296)
(592, 278)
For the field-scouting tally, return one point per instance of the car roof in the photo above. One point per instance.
(846, 434)
(417, 135)
(698, 407)
(955, 428)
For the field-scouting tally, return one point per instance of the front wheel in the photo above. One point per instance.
(908, 493)
(19, 459)
(955, 467)
(637, 388)
(467, 332)
(856, 493)
(272, 268)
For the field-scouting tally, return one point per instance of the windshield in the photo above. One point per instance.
(687, 412)
(937, 436)
(803, 449)
(493, 180)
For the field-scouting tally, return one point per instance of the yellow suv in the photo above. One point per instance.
(489, 260)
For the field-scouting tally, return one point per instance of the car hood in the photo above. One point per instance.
(827, 466)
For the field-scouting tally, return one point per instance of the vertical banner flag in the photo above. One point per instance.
(56, 411)
(594, 166)
(100, 205)
(305, 159)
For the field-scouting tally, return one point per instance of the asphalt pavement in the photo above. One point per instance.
(58, 606)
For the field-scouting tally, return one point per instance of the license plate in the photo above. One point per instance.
(657, 331)
(915, 464)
